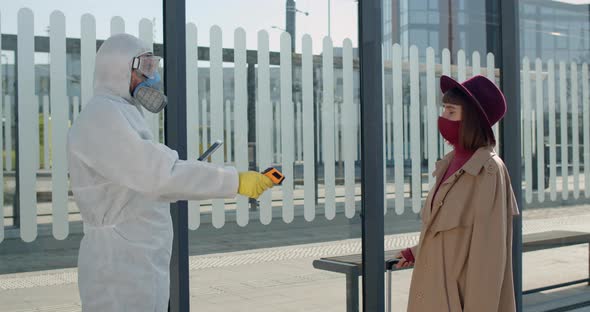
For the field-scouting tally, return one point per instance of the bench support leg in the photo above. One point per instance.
(588, 264)
(352, 292)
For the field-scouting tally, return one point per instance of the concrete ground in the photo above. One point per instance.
(268, 274)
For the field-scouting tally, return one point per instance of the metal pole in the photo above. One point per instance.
(329, 18)
(395, 21)
(252, 125)
(372, 188)
(16, 201)
(450, 26)
(316, 139)
(175, 125)
(290, 21)
(493, 27)
(510, 128)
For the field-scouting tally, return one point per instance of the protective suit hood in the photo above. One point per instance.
(112, 75)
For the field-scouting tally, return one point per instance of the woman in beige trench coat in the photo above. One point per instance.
(463, 261)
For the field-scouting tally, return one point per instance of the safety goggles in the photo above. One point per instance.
(146, 64)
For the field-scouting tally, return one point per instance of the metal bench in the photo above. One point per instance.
(351, 265)
(556, 239)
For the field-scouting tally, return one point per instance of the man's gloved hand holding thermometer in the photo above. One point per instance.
(251, 184)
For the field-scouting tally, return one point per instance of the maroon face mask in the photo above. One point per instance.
(449, 130)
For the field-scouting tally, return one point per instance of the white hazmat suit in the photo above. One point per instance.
(123, 183)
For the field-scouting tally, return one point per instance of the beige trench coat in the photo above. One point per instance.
(463, 259)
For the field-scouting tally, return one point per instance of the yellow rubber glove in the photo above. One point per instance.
(253, 184)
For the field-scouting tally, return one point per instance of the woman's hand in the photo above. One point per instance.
(403, 262)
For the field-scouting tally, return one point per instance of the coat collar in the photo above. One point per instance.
(472, 166)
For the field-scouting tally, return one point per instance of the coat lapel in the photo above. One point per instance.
(439, 171)
(472, 166)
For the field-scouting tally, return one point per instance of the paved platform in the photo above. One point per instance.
(269, 276)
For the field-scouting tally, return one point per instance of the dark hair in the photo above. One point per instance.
(475, 132)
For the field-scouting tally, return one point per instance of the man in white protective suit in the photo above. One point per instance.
(123, 183)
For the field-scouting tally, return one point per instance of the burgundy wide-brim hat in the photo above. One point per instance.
(483, 93)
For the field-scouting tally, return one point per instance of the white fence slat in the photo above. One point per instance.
(586, 121)
(390, 116)
(276, 132)
(241, 117)
(533, 121)
(8, 102)
(552, 130)
(540, 130)
(398, 131)
(575, 129)
(339, 134)
(432, 113)
(446, 62)
(337, 131)
(406, 111)
(563, 112)
(491, 75)
(204, 124)
(308, 129)
(45, 107)
(27, 125)
(228, 132)
(273, 130)
(526, 117)
(146, 31)
(87, 56)
(461, 66)
(216, 121)
(59, 126)
(299, 132)
(288, 127)
(264, 121)
(388, 131)
(490, 67)
(415, 132)
(475, 63)
(461, 69)
(192, 114)
(117, 25)
(349, 129)
(446, 70)
(328, 128)
(147, 35)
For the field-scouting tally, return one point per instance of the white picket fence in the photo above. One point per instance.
(548, 128)
(287, 129)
